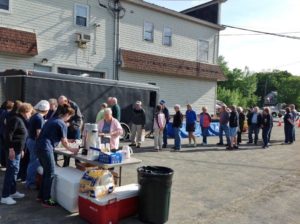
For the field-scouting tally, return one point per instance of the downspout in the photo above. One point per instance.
(117, 39)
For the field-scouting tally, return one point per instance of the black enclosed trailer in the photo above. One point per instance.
(88, 93)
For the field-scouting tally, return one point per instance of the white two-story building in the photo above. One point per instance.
(176, 51)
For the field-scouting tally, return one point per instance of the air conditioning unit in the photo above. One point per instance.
(83, 38)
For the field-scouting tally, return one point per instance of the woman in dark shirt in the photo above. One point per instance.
(15, 138)
(288, 126)
(54, 131)
(266, 126)
(242, 118)
(177, 124)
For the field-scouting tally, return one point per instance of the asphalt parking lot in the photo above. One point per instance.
(210, 185)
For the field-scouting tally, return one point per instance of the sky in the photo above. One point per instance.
(257, 52)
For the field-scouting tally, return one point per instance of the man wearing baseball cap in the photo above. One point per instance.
(167, 116)
(36, 124)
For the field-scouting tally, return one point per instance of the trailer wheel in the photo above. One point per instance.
(126, 132)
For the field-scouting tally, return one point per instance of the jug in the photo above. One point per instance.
(91, 138)
(127, 151)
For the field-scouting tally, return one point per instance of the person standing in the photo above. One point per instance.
(100, 114)
(36, 124)
(110, 130)
(138, 119)
(288, 126)
(295, 118)
(158, 127)
(177, 124)
(6, 107)
(266, 125)
(15, 138)
(242, 118)
(254, 123)
(191, 119)
(52, 110)
(165, 110)
(223, 126)
(74, 124)
(205, 120)
(53, 132)
(233, 128)
(116, 110)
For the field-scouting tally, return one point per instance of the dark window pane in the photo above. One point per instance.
(83, 73)
(4, 4)
(81, 21)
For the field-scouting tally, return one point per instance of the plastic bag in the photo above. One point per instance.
(97, 183)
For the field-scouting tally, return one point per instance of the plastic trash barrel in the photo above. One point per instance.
(155, 193)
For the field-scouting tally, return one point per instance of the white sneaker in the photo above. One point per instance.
(17, 195)
(195, 144)
(8, 201)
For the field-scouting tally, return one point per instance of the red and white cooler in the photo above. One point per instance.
(122, 203)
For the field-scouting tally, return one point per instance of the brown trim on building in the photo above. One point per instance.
(17, 42)
(137, 61)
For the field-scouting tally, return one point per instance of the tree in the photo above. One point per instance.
(239, 88)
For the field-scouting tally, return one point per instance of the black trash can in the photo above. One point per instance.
(155, 193)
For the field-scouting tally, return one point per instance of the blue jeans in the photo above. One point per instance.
(12, 170)
(294, 133)
(253, 128)
(266, 135)
(46, 159)
(224, 128)
(2, 153)
(165, 136)
(177, 138)
(204, 134)
(34, 163)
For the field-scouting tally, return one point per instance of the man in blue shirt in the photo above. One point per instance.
(191, 119)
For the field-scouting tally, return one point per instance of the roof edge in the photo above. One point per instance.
(175, 13)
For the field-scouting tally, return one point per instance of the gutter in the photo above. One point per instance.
(174, 13)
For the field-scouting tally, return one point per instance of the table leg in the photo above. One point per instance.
(120, 176)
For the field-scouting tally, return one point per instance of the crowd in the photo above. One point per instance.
(29, 135)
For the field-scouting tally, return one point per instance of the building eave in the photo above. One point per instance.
(174, 13)
(203, 5)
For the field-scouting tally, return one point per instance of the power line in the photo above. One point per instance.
(252, 34)
(263, 32)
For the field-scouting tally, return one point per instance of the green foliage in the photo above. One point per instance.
(239, 88)
(245, 89)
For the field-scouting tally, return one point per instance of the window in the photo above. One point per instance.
(82, 73)
(42, 68)
(81, 15)
(5, 5)
(167, 36)
(203, 50)
(148, 31)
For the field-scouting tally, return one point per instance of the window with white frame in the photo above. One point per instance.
(148, 31)
(42, 68)
(167, 36)
(203, 50)
(81, 14)
(82, 73)
(5, 5)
